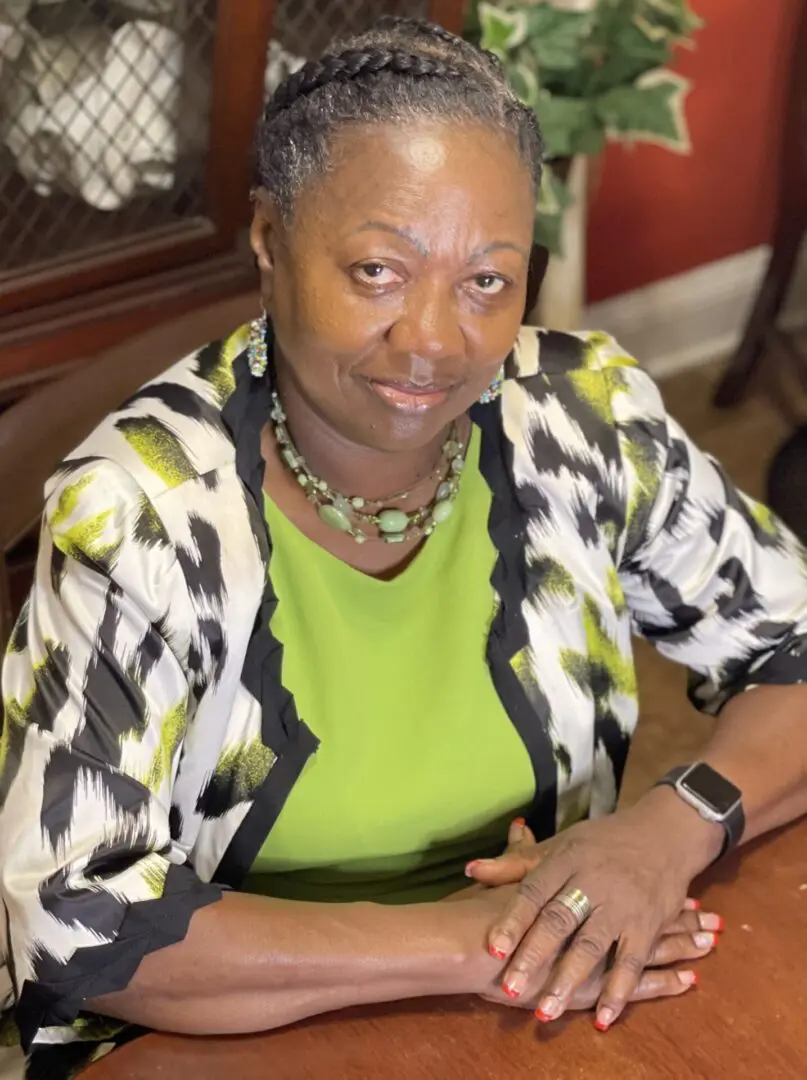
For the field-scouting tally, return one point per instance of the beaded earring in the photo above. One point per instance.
(257, 357)
(494, 390)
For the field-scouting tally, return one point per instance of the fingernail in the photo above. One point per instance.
(519, 822)
(499, 947)
(691, 904)
(712, 922)
(548, 1008)
(605, 1017)
(514, 986)
(689, 978)
(705, 941)
(478, 864)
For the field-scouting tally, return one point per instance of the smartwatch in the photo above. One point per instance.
(713, 796)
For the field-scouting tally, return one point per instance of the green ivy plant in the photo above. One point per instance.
(590, 76)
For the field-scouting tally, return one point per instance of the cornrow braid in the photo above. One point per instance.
(398, 71)
(406, 25)
(355, 64)
(420, 29)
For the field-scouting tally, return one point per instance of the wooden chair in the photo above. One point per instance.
(761, 333)
(37, 433)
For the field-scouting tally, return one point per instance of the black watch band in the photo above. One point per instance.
(713, 796)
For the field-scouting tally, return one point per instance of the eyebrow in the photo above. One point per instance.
(405, 234)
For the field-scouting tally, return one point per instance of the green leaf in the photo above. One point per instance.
(569, 125)
(652, 111)
(554, 36)
(502, 31)
(620, 55)
(554, 194)
(524, 81)
(553, 198)
(547, 233)
(673, 18)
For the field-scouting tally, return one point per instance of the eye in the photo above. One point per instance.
(374, 273)
(490, 284)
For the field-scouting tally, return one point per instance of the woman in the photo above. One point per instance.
(324, 607)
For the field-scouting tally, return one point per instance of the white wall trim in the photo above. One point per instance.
(692, 318)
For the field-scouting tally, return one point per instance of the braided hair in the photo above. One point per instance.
(401, 69)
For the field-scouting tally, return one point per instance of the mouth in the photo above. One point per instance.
(410, 397)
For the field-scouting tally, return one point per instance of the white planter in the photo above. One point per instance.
(563, 293)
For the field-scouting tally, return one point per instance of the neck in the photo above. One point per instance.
(346, 466)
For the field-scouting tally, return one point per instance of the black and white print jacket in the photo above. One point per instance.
(148, 743)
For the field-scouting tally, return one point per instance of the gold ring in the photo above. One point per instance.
(577, 902)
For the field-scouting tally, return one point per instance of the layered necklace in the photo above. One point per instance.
(352, 514)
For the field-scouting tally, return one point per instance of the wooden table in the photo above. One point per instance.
(748, 1018)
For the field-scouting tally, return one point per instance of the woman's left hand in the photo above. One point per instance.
(635, 876)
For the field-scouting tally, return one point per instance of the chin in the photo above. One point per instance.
(410, 432)
(398, 420)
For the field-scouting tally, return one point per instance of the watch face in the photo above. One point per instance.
(712, 788)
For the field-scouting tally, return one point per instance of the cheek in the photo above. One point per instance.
(491, 339)
(319, 304)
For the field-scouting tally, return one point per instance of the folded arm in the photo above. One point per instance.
(250, 963)
(718, 584)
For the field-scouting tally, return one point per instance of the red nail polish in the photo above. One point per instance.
(695, 979)
(542, 1016)
(497, 954)
(696, 905)
(511, 993)
(721, 924)
(598, 1024)
(520, 822)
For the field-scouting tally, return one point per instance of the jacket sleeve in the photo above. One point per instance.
(95, 706)
(711, 577)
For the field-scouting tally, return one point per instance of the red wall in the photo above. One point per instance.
(655, 213)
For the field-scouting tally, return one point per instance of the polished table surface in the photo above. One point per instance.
(748, 1017)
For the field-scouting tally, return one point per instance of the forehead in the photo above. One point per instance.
(426, 174)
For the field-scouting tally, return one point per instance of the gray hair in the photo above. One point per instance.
(401, 69)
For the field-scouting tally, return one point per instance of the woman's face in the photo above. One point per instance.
(398, 288)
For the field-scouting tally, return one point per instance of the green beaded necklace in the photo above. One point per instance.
(348, 514)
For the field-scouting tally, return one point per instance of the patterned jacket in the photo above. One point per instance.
(148, 743)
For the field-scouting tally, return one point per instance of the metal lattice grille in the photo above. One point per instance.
(104, 113)
(304, 27)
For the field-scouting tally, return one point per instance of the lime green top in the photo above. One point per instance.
(419, 767)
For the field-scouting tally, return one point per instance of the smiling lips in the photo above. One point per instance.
(410, 397)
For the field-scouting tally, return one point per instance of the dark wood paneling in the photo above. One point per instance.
(45, 342)
(243, 29)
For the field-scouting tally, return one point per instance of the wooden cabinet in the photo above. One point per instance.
(125, 137)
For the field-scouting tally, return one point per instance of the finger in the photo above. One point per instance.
(587, 952)
(623, 978)
(540, 947)
(692, 904)
(527, 835)
(520, 856)
(677, 948)
(534, 895)
(658, 984)
(508, 869)
(515, 834)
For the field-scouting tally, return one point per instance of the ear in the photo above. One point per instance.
(263, 236)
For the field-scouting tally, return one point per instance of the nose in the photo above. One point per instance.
(428, 327)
